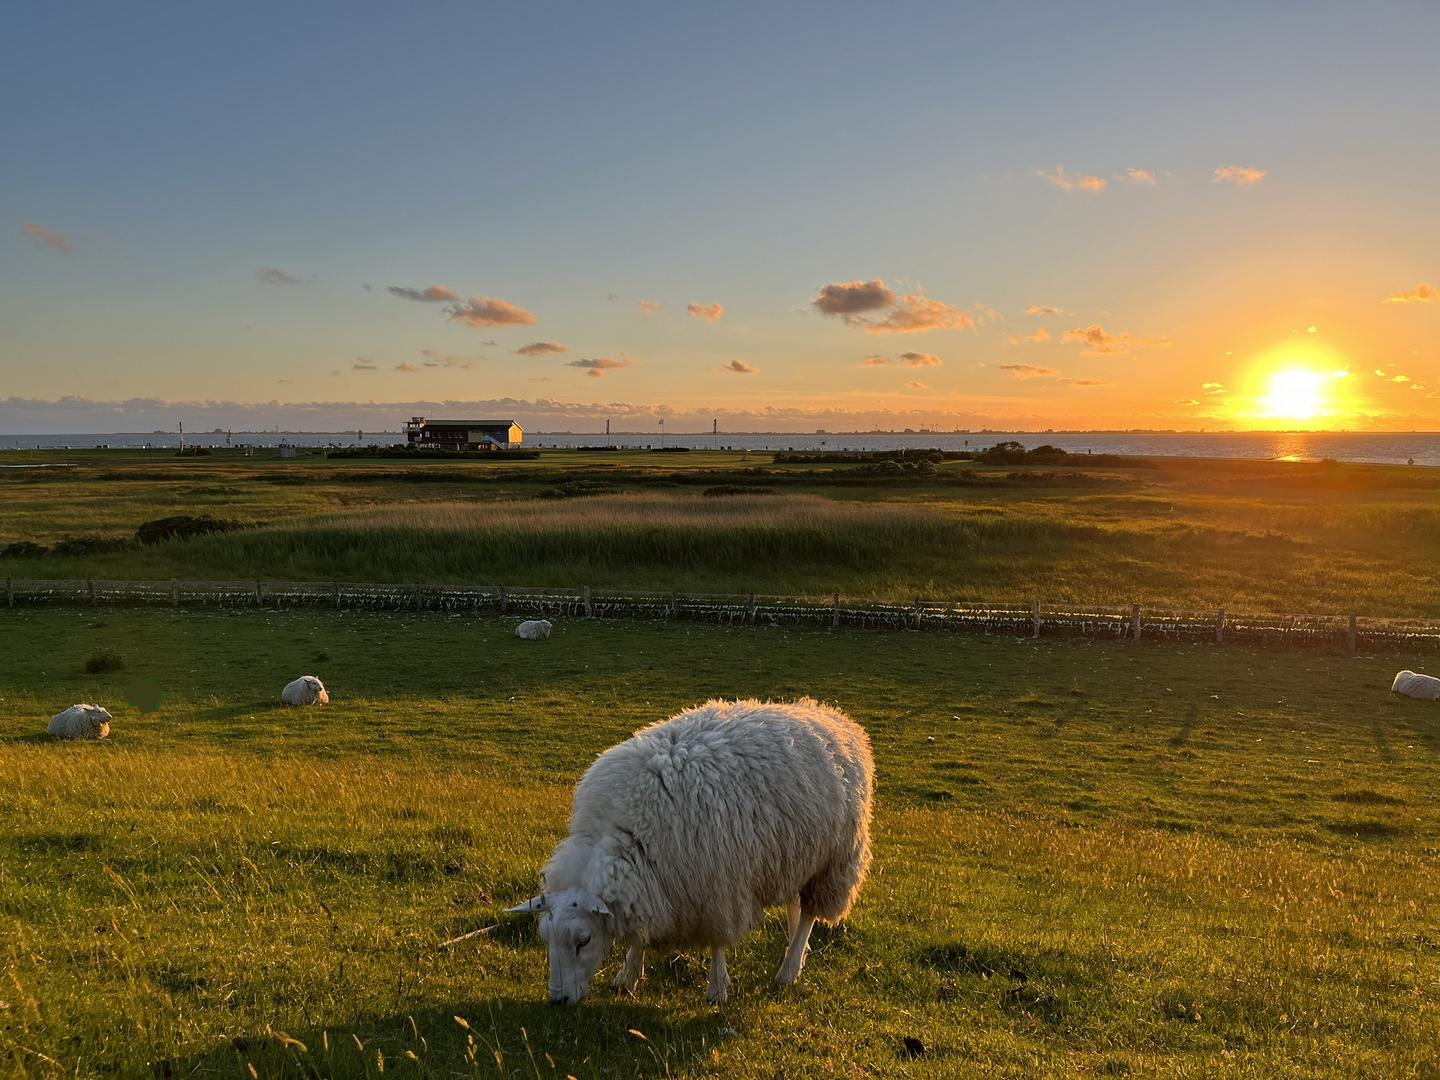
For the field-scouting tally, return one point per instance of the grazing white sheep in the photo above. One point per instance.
(306, 690)
(534, 630)
(1413, 684)
(683, 835)
(81, 722)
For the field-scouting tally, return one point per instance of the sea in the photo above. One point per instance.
(1390, 448)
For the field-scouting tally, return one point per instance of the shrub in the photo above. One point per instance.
(182, 527)
(720, 490)
(84, 546)
(23, 549)
(103, 661)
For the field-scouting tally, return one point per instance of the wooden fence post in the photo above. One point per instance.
(917, 613)
(1220, 627)
(674, 605)
(335, 587)
(419, 599)
(1037, 619)
(504, 600)
(174, 592)
(588, 609)
(752, 609)
(10, 592)
(835, 613)
(1135, 619)
(1352, 631)
(91, 583)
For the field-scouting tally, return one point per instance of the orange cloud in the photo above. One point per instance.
(1238, 174)
(364, 363)
(914, 314)
(740, 368)
(875, 361)
(916, 386)
(1092, 382)
(1068, 181)
(1140, 176)
(1038, 336)
(1187, 401)
(274, 276)
(1213, 388)
(434, 294)
(483, 311)
(849, 298)
(919, 359)
(1099, 343)
(542, 348)
(1422, 293)
(651, 308)
(1043, 309)
(598, 367)
(48, 236)
(708, 312)
(405, 365)
(1029, 371)
(434, 359)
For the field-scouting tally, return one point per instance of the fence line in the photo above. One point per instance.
(1033, 619)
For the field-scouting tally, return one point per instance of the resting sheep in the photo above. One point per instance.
(81, 722)
(306, 690)
(681, 836)
(1413, 684)
(534, 630)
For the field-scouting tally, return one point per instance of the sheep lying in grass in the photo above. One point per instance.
(683, 835)
(81, 722)
(306, 690)
(534, 630)
(1413, 684)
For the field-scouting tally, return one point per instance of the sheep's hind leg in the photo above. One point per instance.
(632, 970)
(719, 987)
(792, 916)
(799, 946)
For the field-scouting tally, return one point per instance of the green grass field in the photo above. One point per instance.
(1113, 859)
(1316, 538)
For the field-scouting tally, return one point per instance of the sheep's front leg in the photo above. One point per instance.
(719, 986)
(792, 915)
(799, 946)
(633, 969)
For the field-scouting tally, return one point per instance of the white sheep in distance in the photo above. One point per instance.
(683, 835)
(534, 629)
(81, 722)
(1413, 684)
(306, 690)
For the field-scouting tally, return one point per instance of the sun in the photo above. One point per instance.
(1297, 394)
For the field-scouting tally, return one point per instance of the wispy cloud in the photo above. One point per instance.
(49, 237)
(740, 368)
(876, 361)
(1140, 176)
(433, 294)
(1238, 174)
(483, 311)
(1089, 382)
(1069, 181)
(1099, 343)
(850, 298)
(1043, 309)
(1029, 371)
(914, 314)
(364, 363)
(916, 385)
(273, 275)
(1038, 336)
(1213, 388)
(920, 359)
(1422, 293)
(1187, 401)
(542, 348)
(651, 308)
(406, 366)
(709, 312)
(600, 365)
(434, 359)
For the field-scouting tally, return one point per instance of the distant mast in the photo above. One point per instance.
(607, 429)
(182, 436)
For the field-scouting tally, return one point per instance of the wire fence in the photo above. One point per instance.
(1034, 619)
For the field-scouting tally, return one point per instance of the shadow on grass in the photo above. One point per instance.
(605, 1034)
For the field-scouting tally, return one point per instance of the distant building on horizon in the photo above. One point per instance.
(463, 434)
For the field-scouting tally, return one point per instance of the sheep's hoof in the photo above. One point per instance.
(625, 982)
(716, 995)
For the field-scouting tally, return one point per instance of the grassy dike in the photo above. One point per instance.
(1113, 859)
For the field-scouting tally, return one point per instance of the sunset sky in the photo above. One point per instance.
(784, 216)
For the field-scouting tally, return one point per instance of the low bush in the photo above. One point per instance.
(721, 490)
(85, 546)
(105, 660)
(182, 527)
(23, 549)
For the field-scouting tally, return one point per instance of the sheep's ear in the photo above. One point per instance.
(599, 908)
(533, 906)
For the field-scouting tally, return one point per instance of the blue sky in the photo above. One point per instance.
(574, 160)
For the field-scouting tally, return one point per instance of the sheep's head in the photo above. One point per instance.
(577, 928)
